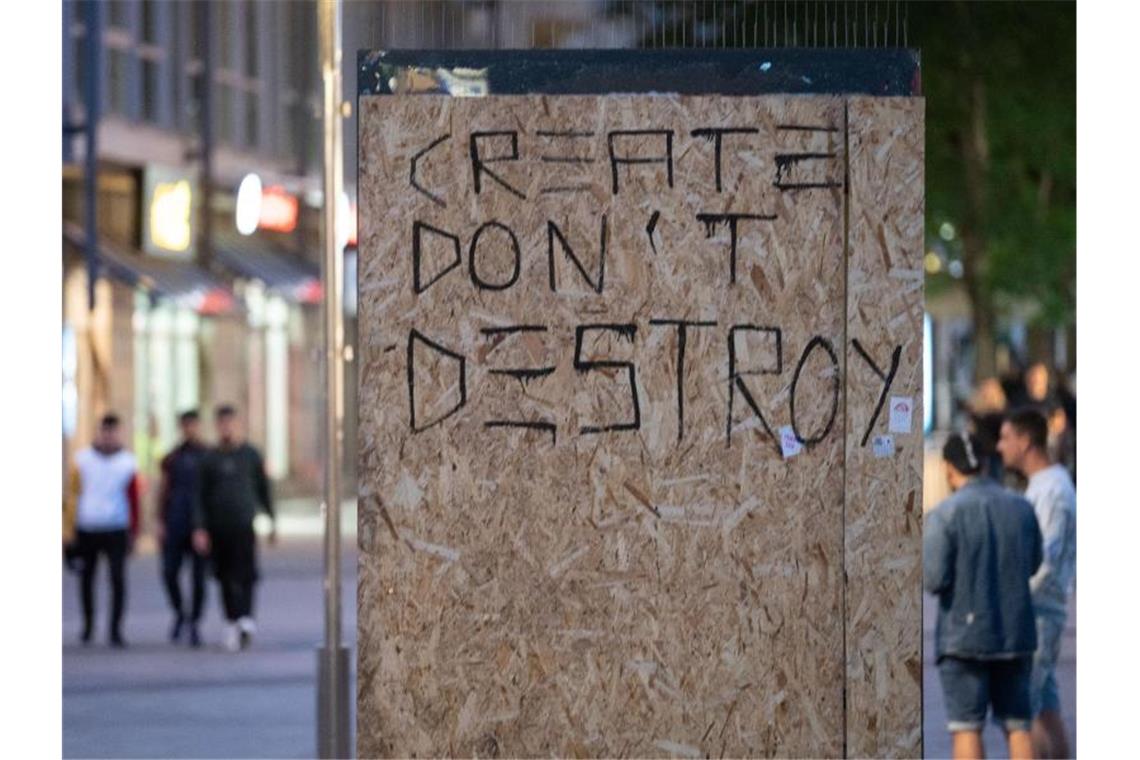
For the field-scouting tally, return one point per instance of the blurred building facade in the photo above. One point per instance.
(178, 322)
(187, 318)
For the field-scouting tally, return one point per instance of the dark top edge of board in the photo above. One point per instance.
(883, 72)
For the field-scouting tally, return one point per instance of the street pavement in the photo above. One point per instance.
(156, 699)
(936, 740)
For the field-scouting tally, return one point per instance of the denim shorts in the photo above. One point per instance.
(1043, 682)
(971, 687)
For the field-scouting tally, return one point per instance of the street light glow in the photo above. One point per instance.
(248, 204)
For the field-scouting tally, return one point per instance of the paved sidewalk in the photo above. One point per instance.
(160, 700)
(937, 739)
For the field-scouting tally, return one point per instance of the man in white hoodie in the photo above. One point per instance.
(102, 519)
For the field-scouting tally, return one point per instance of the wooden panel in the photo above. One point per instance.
(643, 590)
(883, 512)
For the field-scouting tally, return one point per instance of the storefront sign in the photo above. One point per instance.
(270, 208)
(169, 216)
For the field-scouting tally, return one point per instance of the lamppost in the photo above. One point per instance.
(332, 658)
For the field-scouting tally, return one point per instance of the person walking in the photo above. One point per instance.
(233, 486)
(980, 547)
(102, 519)
(178, 493)
(1024, 447)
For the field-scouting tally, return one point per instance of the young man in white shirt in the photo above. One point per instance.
(1023, 446)
(101, 518)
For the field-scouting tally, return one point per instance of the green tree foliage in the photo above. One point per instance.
(1001, 122)
(999, 80)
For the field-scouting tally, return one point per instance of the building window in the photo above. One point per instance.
(149, 22)
(117, 81)
(151, 71)
(250, 39)
(224, 13)
(117, 14)
(223, 112)
(251, 120)
(78, 63)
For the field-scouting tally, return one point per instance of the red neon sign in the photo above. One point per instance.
(278, 210)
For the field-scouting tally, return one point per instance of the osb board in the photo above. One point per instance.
(883, 552)
(633, 591)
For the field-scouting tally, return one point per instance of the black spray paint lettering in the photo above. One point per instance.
(786, 163)
(523, 375)
(887, 377)
(650, 228)
(626, 331)
(712, 220)
(479, 161)
(418, 230)
(816, 342)
(682, 336)
(416, 336)
(735, 381)
(598, 282)
(716, 135)
(515, 251)
(575, 158)
(616, 160)
(437, 199)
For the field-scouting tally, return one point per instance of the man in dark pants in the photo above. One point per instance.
(177, 497)
(102, 518)
(980, 548)
(233, 485)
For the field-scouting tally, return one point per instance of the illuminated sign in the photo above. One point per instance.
(170, 216)
(168, 221)
(248, 204)
(269, 208)
(278, 210)
(350, 238)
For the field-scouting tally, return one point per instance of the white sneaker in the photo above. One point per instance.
(247, 627)
(231, 638)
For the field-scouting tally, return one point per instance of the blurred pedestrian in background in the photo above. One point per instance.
(987, 409)
(233, 486)
(980, 547)
(101, 518)
(1024, 447)
(178, 493)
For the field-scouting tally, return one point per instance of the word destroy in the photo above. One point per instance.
(418, 343)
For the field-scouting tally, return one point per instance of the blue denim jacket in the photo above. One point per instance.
(980, 547)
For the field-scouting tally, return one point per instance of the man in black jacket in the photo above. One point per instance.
(233, 487)
(176, 503)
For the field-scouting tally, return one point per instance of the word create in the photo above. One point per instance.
(626, 151)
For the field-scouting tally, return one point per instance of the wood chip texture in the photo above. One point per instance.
(587, 529)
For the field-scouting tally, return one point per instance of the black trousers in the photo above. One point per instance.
(175, 549)
(113, 544)
(234, 551)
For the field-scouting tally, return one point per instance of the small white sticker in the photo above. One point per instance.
(902, 408)
(883, 446)
(788, 442)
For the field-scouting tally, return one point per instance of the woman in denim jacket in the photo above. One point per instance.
(980, 547)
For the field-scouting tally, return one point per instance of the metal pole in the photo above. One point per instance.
(206, 138)
(91, 92)
(332, 670)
